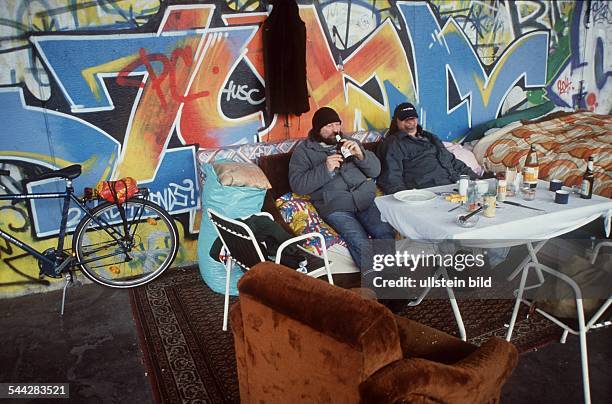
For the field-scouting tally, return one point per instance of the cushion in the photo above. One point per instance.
(235, 174)
(302, 217)
(478, 131)
(229, 201)
(464, 155)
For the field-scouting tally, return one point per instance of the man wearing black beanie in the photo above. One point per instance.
(342, 189)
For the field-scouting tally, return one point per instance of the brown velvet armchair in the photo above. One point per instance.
(299, 339)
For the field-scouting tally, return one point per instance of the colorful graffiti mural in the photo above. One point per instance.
(134, 87)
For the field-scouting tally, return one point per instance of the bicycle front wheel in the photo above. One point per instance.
(123, 254)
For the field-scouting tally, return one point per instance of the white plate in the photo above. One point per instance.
(415, 196)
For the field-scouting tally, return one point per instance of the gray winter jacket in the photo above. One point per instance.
(350, 188)
(409, 163)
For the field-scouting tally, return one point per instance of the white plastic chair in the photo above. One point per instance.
(243, 249)
(583, 325)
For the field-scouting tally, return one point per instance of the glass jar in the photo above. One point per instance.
(489, 205)
(501, 190)
(463, 184)
(472, 197)
(511, 187)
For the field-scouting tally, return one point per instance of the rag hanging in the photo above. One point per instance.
(284, 50)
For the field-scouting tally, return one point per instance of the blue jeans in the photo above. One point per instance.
(355, 227)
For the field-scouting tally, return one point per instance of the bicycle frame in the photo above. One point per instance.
(67, 196)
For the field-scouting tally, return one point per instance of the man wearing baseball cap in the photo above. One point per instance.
(342, 189)
(414, 158)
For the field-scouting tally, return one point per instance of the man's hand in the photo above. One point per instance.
(332, 162)
(353, 147)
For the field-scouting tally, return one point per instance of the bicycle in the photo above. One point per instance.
(116, 244)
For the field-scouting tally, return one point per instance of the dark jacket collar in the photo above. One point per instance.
(420, 132)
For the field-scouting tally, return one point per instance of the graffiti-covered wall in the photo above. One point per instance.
(134, 87)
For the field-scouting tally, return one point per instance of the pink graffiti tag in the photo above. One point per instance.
(168, 71)
(564, 86)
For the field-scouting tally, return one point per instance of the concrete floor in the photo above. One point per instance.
(94, 348)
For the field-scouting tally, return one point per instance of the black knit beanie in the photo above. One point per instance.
(322, 117)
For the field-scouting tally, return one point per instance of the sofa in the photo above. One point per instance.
(274, 158)
(309, 341)
(276, 169)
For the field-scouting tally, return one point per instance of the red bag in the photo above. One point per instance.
(117, 191)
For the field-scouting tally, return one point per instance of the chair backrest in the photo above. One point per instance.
(238, 239)
(302, 332)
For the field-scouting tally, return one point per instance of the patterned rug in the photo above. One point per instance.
(189, 359)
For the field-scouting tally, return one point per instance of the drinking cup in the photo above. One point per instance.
(562, 197)
(482, 186)
(555, 185)
(528, 194)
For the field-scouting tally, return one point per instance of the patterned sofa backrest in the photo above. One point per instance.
(256, 152)
(276, 168)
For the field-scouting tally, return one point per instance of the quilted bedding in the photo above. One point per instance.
(564, 145)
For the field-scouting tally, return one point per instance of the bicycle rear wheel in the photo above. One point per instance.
(110, 256)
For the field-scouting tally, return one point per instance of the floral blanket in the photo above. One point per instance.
(563, 144)
(302, 217)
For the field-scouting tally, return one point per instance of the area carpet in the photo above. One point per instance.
(189, 359)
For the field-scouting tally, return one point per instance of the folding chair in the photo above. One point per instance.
(584, 324)
(243, 249)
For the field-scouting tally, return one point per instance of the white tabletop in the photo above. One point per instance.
(512, 225)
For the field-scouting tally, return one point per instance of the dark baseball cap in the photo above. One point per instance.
(405, 111)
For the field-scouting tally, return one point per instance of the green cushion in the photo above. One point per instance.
(478, 131)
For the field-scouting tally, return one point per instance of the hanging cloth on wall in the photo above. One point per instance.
(284, 51)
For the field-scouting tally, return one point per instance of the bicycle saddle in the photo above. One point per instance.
(70, 173)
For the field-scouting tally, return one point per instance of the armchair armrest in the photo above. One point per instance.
(494, 360)
(240, 349)
(420, 341)
(476, 379)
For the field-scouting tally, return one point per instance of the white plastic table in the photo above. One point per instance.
(512, 225)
